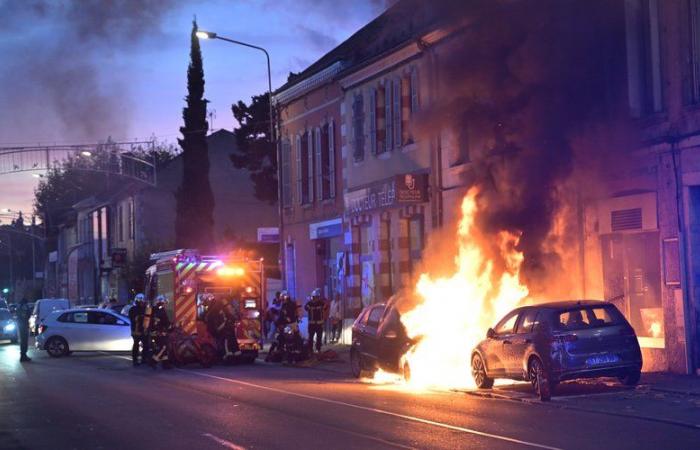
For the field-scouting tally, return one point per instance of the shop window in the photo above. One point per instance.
(416, 239)
(358, 124)
(643, 57)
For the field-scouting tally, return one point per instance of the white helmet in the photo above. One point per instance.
(139, 297)
(161, 299)
(316, 292)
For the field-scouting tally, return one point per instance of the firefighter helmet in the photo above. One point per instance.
(140, 298)
(161, 299)
(316, 292)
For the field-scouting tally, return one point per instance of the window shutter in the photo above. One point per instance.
(310, 159)
(373, 121)
(319, 164)
(397, 113)
(387, 115)
(331, 160)
(299, 177)
(414, 90)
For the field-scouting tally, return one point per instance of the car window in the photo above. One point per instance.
(374, 315)
(4, 315)
(75, 317)
(507, 324)
(527, 320)
(101, 318)
(589, 317)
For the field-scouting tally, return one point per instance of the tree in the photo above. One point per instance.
(195, 201)
(255, 150)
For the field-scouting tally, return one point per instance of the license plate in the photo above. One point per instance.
(602, 359)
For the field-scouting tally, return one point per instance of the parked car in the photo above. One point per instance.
(8, 326)
(553, 342)
(84, 330)
(379, 341)
(44, 307)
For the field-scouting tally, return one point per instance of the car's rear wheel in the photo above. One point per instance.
(479, 373)
(57, 347)
(631, 378)
(540, 379)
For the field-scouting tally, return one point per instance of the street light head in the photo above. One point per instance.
(201, 34)
(86, 153)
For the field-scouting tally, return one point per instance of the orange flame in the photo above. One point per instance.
(454, 312)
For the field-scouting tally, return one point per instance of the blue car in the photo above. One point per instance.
(8, 326)
(553, 342)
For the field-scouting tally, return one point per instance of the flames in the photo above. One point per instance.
(453, 313)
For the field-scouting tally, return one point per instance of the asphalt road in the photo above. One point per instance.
(98, 401)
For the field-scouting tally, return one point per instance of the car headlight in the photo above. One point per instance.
(10, 327)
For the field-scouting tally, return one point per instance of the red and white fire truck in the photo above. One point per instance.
(183, 276)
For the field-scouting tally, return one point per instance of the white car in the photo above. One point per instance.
(84, 330)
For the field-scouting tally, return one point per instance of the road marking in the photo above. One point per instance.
(223, 442)
(376, 410)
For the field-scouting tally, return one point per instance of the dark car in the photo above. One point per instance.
(379, 341)
(553, 342)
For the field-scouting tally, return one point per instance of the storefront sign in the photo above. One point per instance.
(395, 191)
(269, 234)
(326, 229)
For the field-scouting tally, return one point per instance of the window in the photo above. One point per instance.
(286, 150)
(643, 57)
(373, 121)
(300, 180)
(101, 318)
(74, 317)
(318, 163)
(527, 319)
(132, 220)
(326, 182)
(375, 315)
(589, 317)
(305, 168)
(358, 123)
(507, 324)
(120, 223)
(691, 78)
(414, 91)
(388, 117)
(397, 113)
(416, 239)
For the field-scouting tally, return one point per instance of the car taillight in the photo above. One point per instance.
(42, 328)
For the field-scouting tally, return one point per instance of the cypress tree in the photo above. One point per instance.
(195, 202)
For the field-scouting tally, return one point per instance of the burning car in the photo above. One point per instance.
(379, 342)
(553, 342)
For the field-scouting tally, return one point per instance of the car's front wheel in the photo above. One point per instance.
(479, 373)
(57, 347)
(540, 379)
(631, 378)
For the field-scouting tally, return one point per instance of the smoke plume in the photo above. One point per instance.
(54, 57)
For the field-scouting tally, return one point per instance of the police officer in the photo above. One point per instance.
(23, 313)
(315, 308)
(159, 326)
(136, 315)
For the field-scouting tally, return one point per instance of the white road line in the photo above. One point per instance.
(375, 410)
(223, 442)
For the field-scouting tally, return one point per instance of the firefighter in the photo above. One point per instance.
(288, 311)
(315, 308)
(23, 313)
(136, 316)
(159, 326)
(230, 315)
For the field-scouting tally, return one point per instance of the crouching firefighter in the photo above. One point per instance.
(158, 331)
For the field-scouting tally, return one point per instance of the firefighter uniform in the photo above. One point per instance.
(159, 326)
(136, 316)
(315, 308)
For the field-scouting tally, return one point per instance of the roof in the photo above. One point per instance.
(405, 21)
(561, 304)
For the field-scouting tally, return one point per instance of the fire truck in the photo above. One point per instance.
(183, 276)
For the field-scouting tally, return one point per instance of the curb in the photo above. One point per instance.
(557, 405)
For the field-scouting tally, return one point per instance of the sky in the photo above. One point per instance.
(77, 71)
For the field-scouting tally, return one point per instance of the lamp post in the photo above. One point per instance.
(201, 34)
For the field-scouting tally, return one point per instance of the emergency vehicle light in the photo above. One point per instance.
(250, 304)
(230, 271)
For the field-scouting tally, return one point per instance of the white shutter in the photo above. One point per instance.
(414, 90)
(388, 121)
(331, 159)
(319, 164)
(299, 178)
(397, 113)
(310, 162)
(373, 121)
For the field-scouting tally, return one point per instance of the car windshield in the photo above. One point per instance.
(589, 317)
(5, 315)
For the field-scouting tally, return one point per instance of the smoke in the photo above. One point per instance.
(55, 59)
(532, 90)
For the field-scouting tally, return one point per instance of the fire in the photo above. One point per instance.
(655, 329)
(454, 312)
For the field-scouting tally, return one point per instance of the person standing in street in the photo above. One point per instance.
(136, 315)
(23, 313)
(315, 309)
(336, 319)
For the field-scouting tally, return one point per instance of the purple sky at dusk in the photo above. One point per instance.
(78, 74)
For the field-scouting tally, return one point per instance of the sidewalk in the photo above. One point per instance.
(672, 383)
